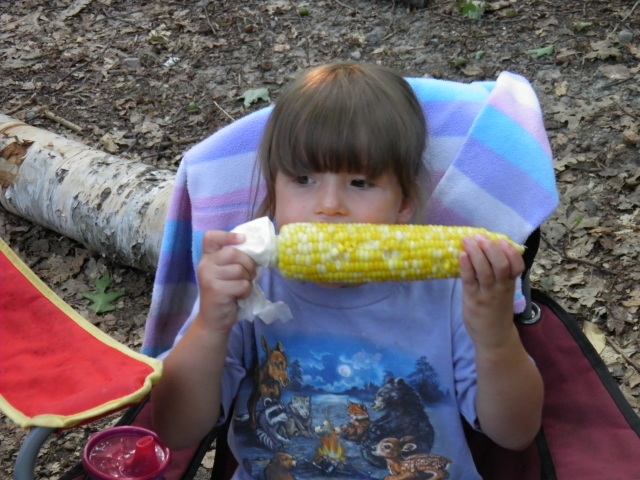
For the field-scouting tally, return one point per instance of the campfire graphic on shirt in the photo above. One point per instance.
(330, 455)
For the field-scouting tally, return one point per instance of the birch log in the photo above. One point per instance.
(111, 205)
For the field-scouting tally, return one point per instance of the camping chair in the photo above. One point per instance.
(489, 145)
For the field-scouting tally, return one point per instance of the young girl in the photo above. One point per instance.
(367, 379)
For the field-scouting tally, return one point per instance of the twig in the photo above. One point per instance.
(388, 36)
(62, 121)
(624, 19)
(224, 111)
(120, 19)
(632, 115)
(617, 348)
(206, 14)
(615, 82)
(304, 32)
(183, 141)
(569, 258)
(344, 5)
(21, 106)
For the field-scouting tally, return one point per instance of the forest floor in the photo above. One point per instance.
(147, 80)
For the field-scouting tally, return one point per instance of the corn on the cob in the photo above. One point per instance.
(357, 253)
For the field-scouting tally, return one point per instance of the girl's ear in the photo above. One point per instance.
(407, 209)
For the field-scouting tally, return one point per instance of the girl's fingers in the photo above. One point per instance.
(498, 261)
(220, 263)
(490, 261)
(474, 247)
(467, 272)
(516, 262)
(235, 271)
(214, 240)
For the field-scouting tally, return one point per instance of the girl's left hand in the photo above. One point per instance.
(488, 271)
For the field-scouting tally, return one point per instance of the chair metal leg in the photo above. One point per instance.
(531, 313)
(26, 460)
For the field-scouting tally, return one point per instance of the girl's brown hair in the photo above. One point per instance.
(345, 117)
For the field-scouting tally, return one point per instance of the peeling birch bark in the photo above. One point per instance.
(111, 205)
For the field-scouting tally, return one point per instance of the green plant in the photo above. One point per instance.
(541, 52)
(473, 9)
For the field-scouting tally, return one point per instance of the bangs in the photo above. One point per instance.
(338, 144)
(342, 130)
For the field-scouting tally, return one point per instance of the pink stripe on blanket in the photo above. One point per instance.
(222, 220)
(222, 201)
(179, 207)
(439, 214)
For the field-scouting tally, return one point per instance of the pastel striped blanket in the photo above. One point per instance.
(488, 156)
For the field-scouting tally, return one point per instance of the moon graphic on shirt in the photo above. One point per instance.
(344, 370)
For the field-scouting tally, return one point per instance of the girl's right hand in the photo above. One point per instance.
(225, 275)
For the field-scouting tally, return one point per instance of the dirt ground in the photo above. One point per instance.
(146, 80)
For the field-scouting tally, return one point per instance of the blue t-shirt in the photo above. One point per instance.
(363, 381)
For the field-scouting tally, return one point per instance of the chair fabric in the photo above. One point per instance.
(67, 373)
(589, 430)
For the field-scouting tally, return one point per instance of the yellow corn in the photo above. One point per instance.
(358, 252)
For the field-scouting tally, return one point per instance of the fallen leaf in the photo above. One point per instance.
(207, 460)
(615, 72)
(252, 96)
(27, 24)
(602, 50)
(472, 71)
(541, 52)
(108, 144)
(102, 301)
(74, 8)
(595, 336)
(562, 88)
(579, 26)
(564, 54)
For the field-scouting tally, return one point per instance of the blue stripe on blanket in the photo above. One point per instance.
(508, 139)
(450, 119)
(177, 236)
(196, 247)
(429, 90)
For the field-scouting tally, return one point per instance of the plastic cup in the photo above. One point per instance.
(125, 453)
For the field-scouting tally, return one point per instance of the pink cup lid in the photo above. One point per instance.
(127, 453)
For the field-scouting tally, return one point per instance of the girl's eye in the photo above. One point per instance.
(361, 183)
(302, 180)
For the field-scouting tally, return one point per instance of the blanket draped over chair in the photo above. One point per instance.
(488, 158)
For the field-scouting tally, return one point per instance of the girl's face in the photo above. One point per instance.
(340, 198)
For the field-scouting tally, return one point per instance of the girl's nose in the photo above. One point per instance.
(330, 201)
